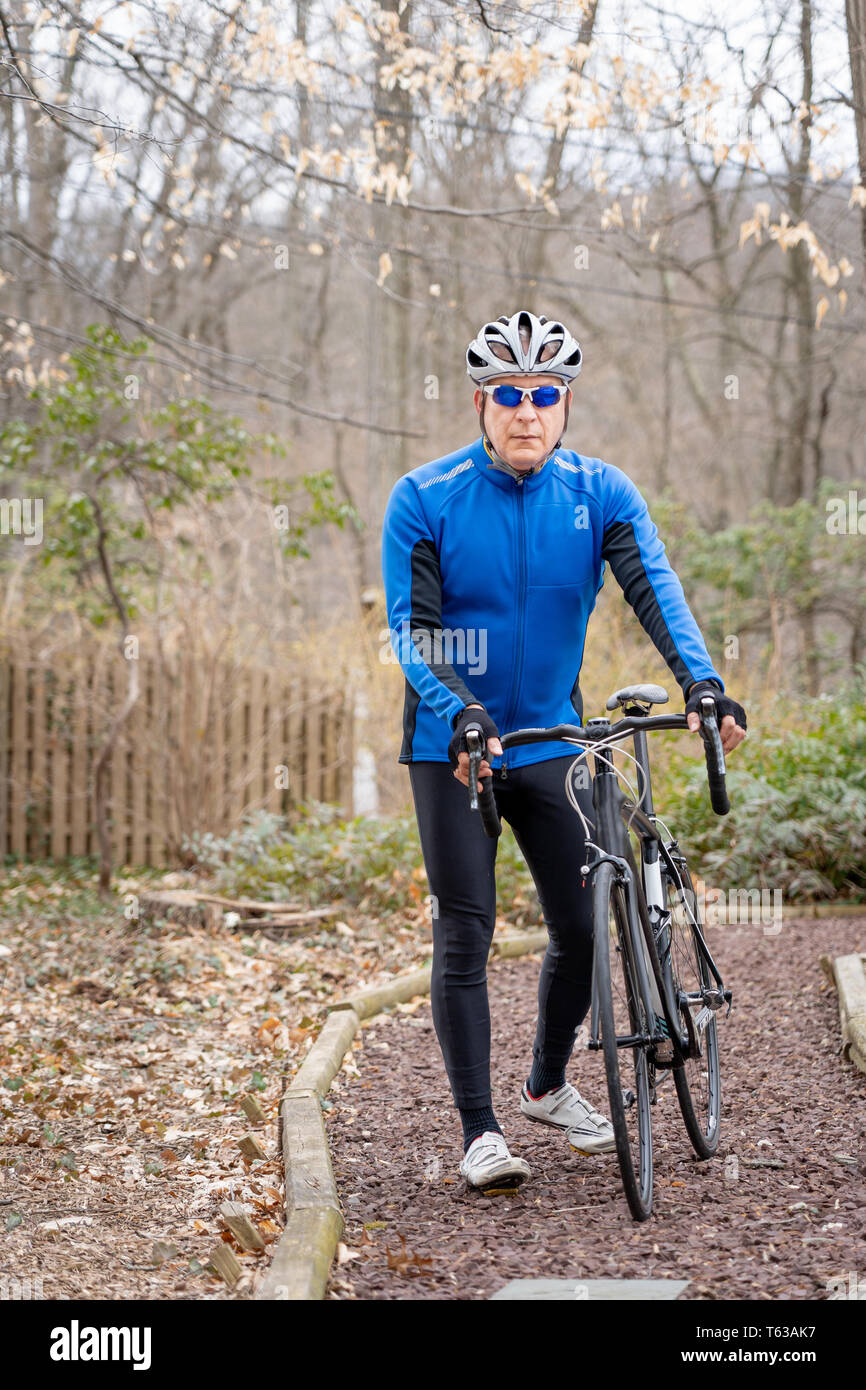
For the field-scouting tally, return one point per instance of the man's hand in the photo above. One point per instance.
(731, 717)
(473, 714)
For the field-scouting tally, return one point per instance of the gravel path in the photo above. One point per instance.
(734, 1227)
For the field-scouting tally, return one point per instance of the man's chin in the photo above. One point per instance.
(522, 460)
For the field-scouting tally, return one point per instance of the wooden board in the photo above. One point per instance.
(38, 838)
(60, 755)
(19, 695)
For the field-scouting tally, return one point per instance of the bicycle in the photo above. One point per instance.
(656, 989)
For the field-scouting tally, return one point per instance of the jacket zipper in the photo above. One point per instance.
(521, 586)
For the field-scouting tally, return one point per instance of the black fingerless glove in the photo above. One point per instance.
(465, 717)
(724, 705)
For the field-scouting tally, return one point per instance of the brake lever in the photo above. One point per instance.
(484, 802)
(473, 743)
(711, 732)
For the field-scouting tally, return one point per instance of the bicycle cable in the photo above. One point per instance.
(637, 799)
(594, 748)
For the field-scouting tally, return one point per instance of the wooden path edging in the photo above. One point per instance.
(314, 1222)
(848, 974)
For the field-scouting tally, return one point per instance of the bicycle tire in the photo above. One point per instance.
(620, 1007)
(698, 1081)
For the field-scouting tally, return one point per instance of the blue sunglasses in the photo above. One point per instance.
(540, 396)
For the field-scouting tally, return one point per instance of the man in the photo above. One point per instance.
(492, 559)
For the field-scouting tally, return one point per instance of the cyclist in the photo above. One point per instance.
(492, 558)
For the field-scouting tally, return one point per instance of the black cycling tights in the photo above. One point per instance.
(459, 859)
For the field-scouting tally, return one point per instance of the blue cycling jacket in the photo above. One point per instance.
(489, 584)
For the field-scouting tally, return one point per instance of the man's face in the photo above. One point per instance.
(523, 434)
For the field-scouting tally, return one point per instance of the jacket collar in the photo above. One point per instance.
(486, 466)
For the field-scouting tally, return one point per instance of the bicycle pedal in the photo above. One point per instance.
(713, 999)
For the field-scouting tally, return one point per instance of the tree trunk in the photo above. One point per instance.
(855, 17)
(792, 481)
(100, 770)
(390, 360)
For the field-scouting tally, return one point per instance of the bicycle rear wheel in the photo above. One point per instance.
(698, 1081)
(621, 1012)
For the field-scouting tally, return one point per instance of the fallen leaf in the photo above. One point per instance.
(162, 1251)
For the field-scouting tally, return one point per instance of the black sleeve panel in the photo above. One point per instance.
(621, 551)
(426, 618)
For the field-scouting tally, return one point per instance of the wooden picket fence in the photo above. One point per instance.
(206, 742)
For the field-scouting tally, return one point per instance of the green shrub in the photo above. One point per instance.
(373, 863)
(797, 823)
(798, 802)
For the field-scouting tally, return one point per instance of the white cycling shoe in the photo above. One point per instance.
(487, 1163)
(587, 1130)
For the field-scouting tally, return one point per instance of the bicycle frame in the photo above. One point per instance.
(646, 905)
(647, 909)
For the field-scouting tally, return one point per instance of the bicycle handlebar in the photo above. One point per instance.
(715, 757)
(486, 803)
(574, 733)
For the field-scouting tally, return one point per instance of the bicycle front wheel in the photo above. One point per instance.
(621, 1014)
(698, 1081)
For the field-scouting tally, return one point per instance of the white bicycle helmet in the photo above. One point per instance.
(519, 346)
(546, 347)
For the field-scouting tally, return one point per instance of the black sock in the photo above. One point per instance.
(475, 1122)
(544, 1078)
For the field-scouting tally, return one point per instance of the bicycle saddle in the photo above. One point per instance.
(642, 694)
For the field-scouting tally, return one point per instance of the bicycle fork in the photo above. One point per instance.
(645, 976)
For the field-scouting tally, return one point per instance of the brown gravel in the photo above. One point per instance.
(735, 1230)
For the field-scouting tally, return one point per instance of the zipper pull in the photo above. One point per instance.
(504, 771)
